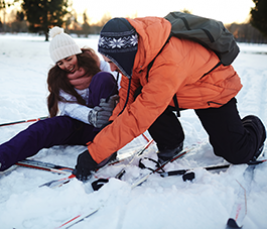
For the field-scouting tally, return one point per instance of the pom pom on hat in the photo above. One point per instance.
(62, 45)
(55, 31)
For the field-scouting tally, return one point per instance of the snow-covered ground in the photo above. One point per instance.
(159, 202)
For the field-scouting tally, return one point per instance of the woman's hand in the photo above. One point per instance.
(99, 116)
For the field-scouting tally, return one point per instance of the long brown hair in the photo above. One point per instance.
(57, 80)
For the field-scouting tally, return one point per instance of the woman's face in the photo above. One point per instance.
(69, 64)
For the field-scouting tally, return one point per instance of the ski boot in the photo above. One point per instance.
(254, 123)
(167, 154)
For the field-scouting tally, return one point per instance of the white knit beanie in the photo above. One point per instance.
(62, 45)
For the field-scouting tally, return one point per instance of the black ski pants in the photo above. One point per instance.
(227, 135)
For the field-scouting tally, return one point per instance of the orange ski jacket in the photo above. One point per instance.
(179, 69)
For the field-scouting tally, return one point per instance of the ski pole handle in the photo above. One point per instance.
(173, 173)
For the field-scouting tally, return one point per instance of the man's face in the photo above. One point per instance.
(113, 67)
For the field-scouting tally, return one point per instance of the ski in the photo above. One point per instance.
(58, 182)
(69, 223)
(39, 165)
(239, 210)
(145, 177)
(46, 166)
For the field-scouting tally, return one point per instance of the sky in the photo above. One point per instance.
(227, 11)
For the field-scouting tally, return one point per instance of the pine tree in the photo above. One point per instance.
(85, 26)
(259, 16)
(44, 14)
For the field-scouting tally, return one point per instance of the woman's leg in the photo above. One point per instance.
(46, 133)
(102, 86)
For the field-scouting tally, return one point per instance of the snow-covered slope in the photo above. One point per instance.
(159, 202)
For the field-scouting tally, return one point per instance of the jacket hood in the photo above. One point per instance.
(153, 33)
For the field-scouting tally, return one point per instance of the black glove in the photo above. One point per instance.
(85, 166)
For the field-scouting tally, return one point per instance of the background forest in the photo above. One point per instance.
(37, 16)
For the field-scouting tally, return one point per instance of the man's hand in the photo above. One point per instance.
(85, 166)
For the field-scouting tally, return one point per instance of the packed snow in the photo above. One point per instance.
(206, 202)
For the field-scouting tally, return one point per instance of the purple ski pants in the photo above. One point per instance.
(60, 130)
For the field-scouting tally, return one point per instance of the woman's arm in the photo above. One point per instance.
(74, 110)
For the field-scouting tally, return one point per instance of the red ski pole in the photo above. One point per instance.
(22, 121)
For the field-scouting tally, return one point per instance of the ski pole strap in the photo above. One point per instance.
(177, 108)
(142, 166)
(99, 183)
